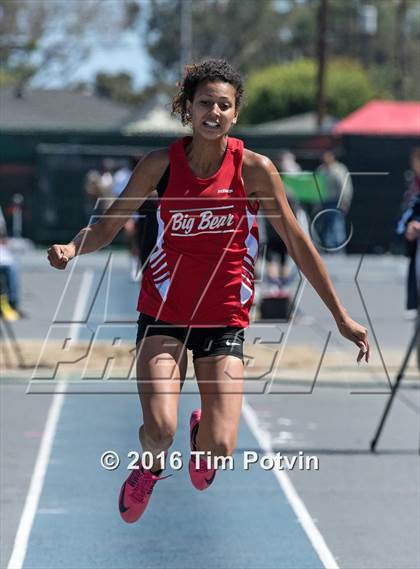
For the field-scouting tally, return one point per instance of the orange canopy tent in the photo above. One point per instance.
(383, 118)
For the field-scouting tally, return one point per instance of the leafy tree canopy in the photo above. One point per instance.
(279, 91)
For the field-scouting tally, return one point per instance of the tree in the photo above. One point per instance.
(253, 33)
(119, 87)
(45, 39)
(279, 91)
(116, 86)
(321, 60)
(245, 33)
(388, 49)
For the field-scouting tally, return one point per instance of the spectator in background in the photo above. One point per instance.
(99, 184)
(409, 226)
(141, 229)
(287, 163)
(332, 224)
(3, 228)
(121, 178)
(122, 175)
(107, 179)
(413, 178)
(9, 283)
(275, 246)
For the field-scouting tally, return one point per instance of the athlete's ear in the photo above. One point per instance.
(188, 106)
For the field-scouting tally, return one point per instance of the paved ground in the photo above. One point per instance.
(365, 506)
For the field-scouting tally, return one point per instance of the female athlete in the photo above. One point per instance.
(198, 285)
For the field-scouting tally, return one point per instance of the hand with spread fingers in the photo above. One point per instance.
(356, 333)
(60, 255)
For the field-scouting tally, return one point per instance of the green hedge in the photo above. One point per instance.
(280, 91)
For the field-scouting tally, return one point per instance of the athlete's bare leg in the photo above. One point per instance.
(220, 381)
(161, 368)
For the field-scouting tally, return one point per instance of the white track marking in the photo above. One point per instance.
(81, 302)
(20, 546)
(37, 482)
(292, 496)
(77, 318)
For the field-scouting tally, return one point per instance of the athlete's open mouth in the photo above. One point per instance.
(211, 124)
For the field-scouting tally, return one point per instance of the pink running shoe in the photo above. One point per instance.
(202, 477)
(135, 493)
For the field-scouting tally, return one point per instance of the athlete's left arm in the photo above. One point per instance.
(263, 183)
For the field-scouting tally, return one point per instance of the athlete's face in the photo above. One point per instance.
(213, 109)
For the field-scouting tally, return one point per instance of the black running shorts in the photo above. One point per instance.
(203, 342)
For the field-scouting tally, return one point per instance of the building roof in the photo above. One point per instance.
(158, 120)
(394, 118)
(305, 123)
(155, 116)
(56, 109)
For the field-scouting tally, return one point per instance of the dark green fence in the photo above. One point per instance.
(49, 170)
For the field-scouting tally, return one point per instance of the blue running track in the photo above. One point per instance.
(243, 520)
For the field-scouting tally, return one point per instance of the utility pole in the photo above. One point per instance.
(321, 58)
(400, 49)
(186, 33)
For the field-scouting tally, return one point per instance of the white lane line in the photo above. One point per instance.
(37, 482)
(292, 496)
(81, 302)
(75, 323)
(20, 546)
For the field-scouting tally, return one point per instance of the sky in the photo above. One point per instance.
(127, 53)
(130, 56)
(110, 51)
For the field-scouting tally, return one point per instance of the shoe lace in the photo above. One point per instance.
(203, 466)
(143, 483)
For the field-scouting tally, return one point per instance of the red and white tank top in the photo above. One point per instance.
(201, 270)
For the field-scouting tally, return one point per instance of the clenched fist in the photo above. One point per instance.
(60, 255)
(413, 230)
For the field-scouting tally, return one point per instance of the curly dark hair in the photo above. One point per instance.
(207, 70)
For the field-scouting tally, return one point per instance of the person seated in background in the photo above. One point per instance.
(9, 282)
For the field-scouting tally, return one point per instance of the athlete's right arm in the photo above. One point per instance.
(143, 181)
